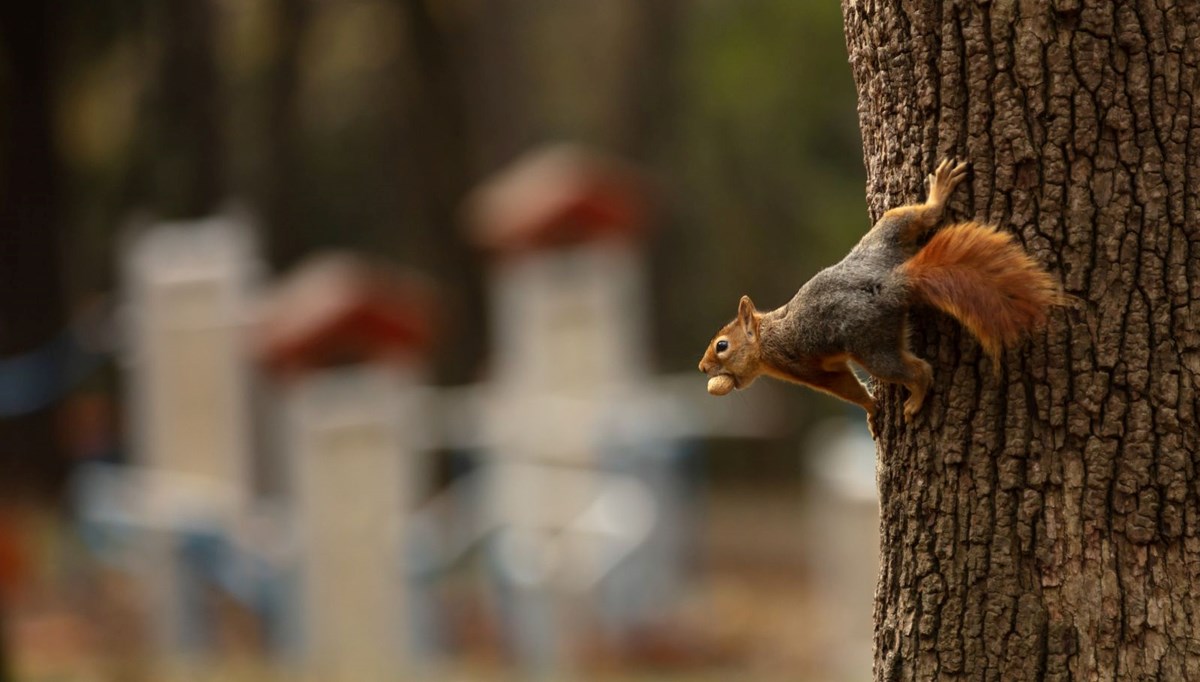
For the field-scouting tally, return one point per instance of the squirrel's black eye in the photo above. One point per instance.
(722, 346)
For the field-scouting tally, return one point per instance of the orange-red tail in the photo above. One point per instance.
(984, 279)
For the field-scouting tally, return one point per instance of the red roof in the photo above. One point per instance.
(339, 308)
(556, 196)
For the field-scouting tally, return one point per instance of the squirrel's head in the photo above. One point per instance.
(734, 358)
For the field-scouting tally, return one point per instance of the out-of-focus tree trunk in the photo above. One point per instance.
(650, 78)
(650, 96)
(182, 159)
(32, 312)
(283, 169)
(1043, 525)
(441, 169)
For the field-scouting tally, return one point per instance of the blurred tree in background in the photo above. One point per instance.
(32, 227)
(362, 124)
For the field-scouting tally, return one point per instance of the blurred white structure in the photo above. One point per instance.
(579, 497)
(352, 451)
(188, 295)
(346, 338)
(840, 526)
(568, 287)
(556, 397)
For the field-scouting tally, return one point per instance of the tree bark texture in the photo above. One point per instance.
(1042, 523)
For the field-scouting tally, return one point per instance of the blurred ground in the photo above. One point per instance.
(783, 591)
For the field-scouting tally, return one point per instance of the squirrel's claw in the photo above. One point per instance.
(959, 172)
(948, 174)
(911, 407)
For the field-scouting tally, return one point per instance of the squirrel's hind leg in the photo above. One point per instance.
(902, 367)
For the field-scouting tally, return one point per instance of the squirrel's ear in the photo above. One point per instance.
(748, 315)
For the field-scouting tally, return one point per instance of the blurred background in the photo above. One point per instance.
(357, 339)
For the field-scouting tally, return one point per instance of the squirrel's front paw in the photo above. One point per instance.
(948, 174)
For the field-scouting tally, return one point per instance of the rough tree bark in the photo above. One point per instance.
(1043, 525)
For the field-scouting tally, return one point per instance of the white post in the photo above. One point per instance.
(570, 344)
(353, 451)
(571, 320)
(188, 289)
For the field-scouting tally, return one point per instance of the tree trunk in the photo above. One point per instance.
(440, 166)
(1042, 524)
(650, 86)
(31, 294)
(181, 156)
(32, 311)
(283, 185)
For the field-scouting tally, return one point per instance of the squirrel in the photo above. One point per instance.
(857, 309)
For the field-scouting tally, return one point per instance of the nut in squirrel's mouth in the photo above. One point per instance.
(721, 384)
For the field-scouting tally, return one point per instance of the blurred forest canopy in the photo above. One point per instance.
(362, 124)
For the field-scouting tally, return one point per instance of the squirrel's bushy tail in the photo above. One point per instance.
(984, 279)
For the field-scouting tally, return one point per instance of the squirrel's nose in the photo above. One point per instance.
(703, 366)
